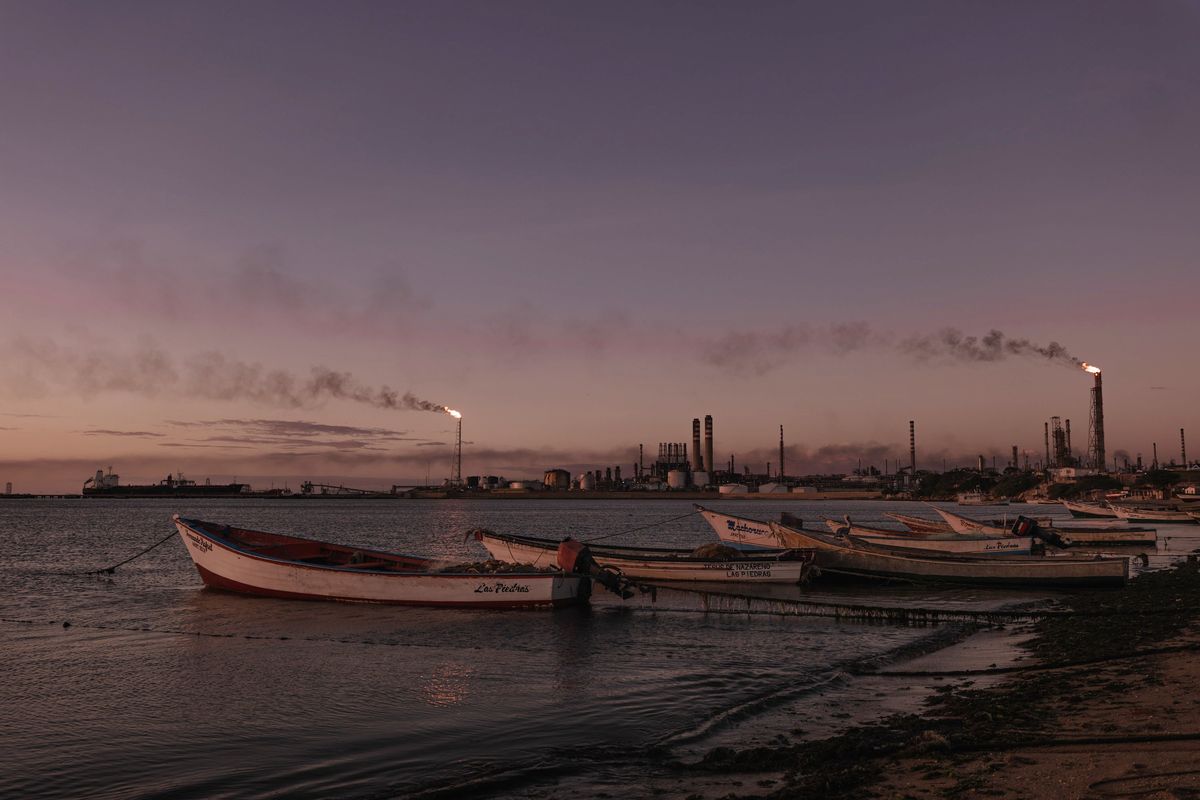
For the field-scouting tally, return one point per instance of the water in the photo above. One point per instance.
(159, 686)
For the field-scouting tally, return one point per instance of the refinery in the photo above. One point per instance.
(1055, 469)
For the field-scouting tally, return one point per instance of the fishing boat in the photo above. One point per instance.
(660, 563)
(1078, 508)
(979, 499)
(1068, 535)
(959, 544)
(918, 524)
(853, 557)
(1131, 514)
(275, 565)
(739, 532)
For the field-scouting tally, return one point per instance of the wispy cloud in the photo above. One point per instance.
(131, 434)
(36, 365)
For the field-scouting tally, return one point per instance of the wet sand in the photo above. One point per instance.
(1103, 704)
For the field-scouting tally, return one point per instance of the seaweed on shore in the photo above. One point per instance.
(1154, 608)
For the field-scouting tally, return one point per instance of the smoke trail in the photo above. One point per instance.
(150, 371)
(761, 352)
(950, 343)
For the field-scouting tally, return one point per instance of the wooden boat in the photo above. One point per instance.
(275, 565)
(739, 532)
(659, 563)
(1131, 514)
(979, 499)
(1081, 509)
(955, 543)
(918, 524)
(853, 557)
(1069, 535)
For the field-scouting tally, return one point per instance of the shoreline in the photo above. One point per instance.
(1103, 697)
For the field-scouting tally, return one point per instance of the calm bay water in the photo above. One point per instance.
(160, 687)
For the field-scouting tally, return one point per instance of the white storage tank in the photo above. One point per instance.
(772, 488)
(587, 482)
(677, 479)
(734, 488)
(805, 490)
(700, 479)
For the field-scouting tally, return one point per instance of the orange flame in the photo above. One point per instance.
(1089, 368)
(458, 414)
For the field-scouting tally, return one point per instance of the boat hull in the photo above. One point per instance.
(652, 564)
(851, 559)
(1089, 510)
(1148, 515)
(739, 532)
(223, 565)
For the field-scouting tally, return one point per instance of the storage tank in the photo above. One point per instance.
(772, 488)
(700, 478)
(677, 479)
(734, 488)
(587, 482)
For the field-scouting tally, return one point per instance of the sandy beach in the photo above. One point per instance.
(1102, 704)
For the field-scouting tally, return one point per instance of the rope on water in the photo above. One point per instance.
(639, 528)
(113, 568)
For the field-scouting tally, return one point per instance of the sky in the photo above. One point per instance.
(235, 237)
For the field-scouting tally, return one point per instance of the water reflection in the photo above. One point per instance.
(447, 685)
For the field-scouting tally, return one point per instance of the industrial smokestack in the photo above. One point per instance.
(1096, 452)
(1046, 464)
(698, 466)
(781, 473)
(1016, 464)
(1182, 449)
(708, 442)
(1070, 452)
(912, 446)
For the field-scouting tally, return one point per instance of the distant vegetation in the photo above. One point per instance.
(1083, 487)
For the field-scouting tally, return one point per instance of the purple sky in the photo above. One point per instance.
(584, 225)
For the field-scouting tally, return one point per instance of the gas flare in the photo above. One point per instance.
(458, 414)
(1086, 367)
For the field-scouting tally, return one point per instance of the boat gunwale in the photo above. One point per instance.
(233, 547)
(662, 554)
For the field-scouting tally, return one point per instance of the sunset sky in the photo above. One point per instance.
(583, 225)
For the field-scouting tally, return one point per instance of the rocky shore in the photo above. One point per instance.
(1105, 705)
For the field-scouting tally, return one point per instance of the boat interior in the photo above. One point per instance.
(309, 551)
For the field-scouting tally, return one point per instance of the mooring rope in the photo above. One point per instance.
(639, 528)
(113, 568)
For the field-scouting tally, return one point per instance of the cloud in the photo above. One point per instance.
(130, 274)
(131, 434)
(147, 370)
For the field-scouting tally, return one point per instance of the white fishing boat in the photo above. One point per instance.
(1068, 535)
(918, 524)
(739, 532)
(852, 557)
(274, 565)
(661, 564)
(979, 499)
(1162, 516)
(1079, 508)
(955, 543)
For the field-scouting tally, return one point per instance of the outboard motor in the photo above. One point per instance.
(1026, 526)
(575, 557)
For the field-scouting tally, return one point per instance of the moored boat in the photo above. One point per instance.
(1133, 514)
(979, 499)
(1068, 535)
(918, 524)
(852, 557)
(1078, 508)
(275, 565)
(660, 563)
(739, 532)
(959, 544)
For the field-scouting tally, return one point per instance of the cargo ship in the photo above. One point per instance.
(108, 484)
